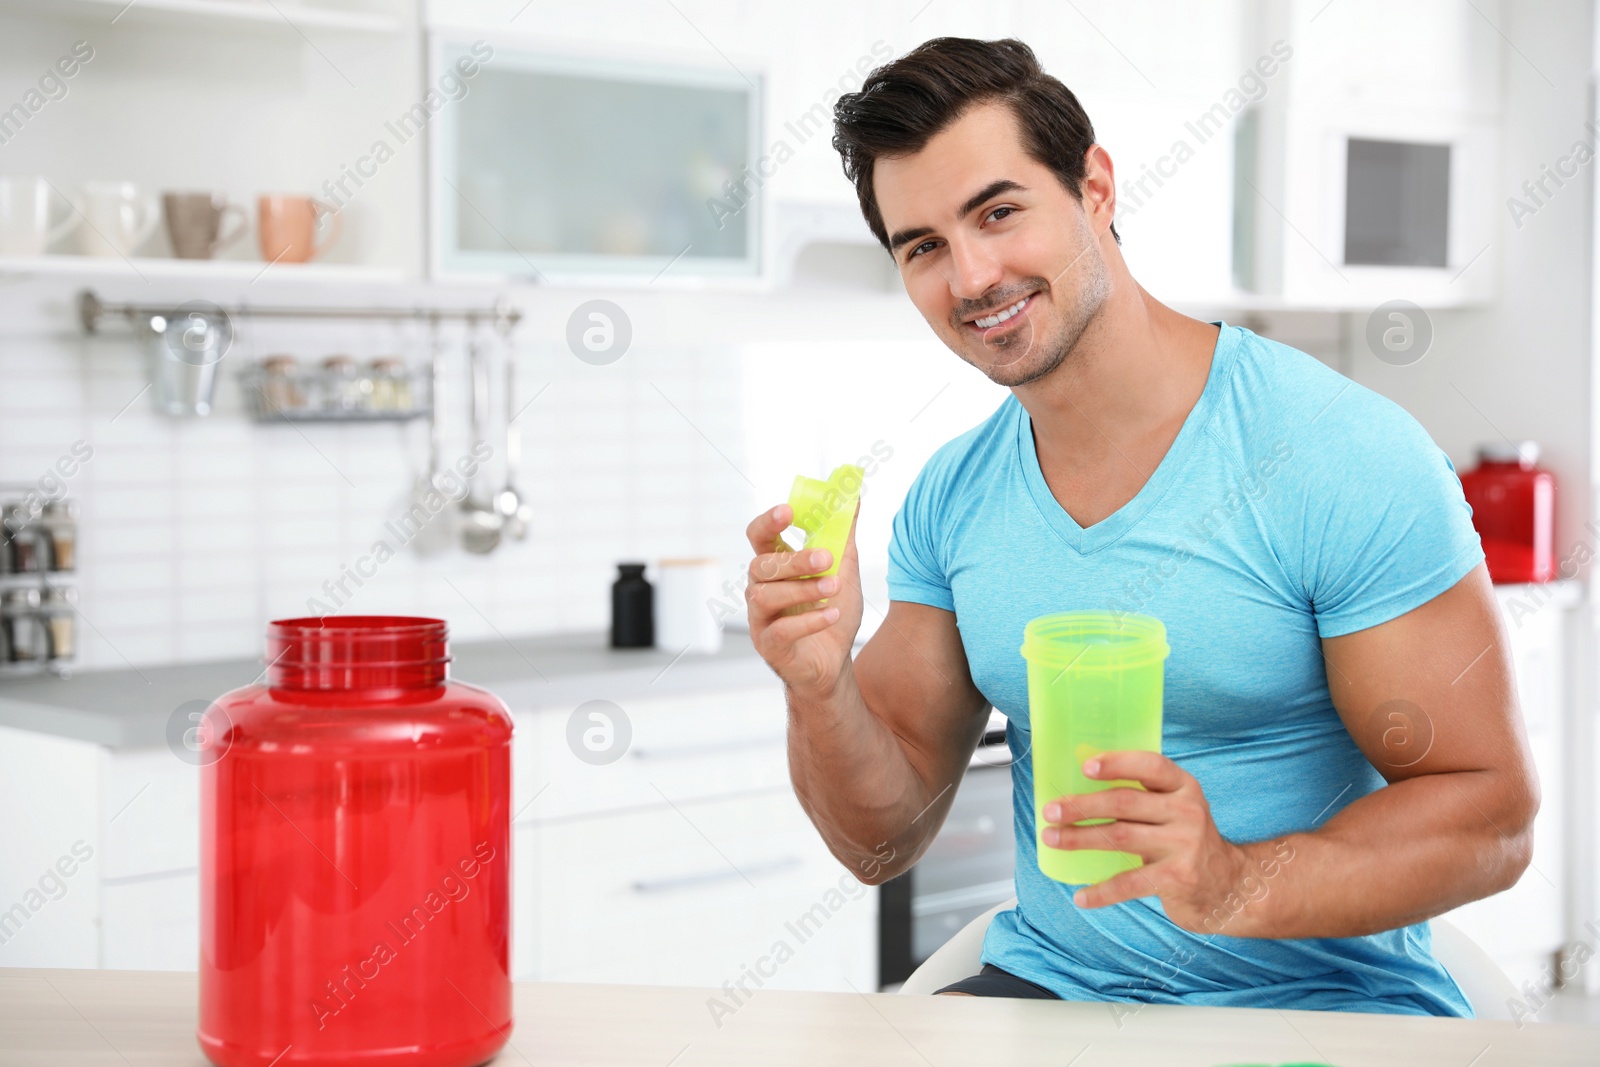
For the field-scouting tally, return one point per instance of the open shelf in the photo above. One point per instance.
(137, 268)
(247, 16)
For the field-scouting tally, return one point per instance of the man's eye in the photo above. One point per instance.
(923, 247)
(1000, 213)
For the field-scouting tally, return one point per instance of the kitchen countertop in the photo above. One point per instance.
(130, 708)
(123, 1018)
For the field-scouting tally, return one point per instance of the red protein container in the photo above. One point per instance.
(354, 859)
(1513, 508)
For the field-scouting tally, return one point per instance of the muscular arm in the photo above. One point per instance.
(1430, 699)
(878, 744)
(876, 763)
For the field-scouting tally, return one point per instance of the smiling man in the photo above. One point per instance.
(1343, 753)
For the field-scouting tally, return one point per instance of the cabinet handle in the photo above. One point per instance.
(721, 874)
(691, 751)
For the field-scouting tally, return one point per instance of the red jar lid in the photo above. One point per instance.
(357, 652)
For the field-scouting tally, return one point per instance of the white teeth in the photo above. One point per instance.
(1000, 316)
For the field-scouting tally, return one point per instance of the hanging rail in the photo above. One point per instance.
(91, 309)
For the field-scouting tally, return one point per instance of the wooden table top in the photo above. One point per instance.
(66, 1018)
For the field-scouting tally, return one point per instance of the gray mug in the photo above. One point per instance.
(197, 223)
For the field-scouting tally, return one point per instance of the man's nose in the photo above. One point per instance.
(973, 269)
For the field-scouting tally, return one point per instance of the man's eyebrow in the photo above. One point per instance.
(989, 192)
(903, 236)
(977, 200)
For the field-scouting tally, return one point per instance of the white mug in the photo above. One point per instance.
(25, 228)
(118, 218)
(684, 590)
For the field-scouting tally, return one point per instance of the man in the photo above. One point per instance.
(1343, 753)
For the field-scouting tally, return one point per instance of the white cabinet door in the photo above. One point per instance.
(152, 811)
(673, 749)
(50, 851)
(736, 890)
(153, 924)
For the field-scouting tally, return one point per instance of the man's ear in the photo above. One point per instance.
(1099, 189)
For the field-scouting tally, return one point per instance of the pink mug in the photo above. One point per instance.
(288, 227)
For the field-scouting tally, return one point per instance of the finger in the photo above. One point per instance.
(1136, 838)
(769, 599)
(764, 529)
(777, 566)
(1127, 805)
(791, 628)
(1129, 885)
(1150, 769)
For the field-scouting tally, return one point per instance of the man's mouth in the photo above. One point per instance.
(1004, 315)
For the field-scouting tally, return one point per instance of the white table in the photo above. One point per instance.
(59, 1018)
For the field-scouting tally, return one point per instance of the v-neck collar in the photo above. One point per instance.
(1119, 522)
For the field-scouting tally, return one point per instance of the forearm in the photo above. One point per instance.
(1407, 852)
(857, 783)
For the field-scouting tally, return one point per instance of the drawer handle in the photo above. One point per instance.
(691, 751)
(722, 874)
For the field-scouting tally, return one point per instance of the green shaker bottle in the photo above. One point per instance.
(1094, 686)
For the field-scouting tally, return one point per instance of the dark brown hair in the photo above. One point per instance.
(903, 104)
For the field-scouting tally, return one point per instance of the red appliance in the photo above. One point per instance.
(354, 855)
(1513, 508)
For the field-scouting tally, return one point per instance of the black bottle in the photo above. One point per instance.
(633, 614)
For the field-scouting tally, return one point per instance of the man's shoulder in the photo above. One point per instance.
(972, 457)
(1278, 393)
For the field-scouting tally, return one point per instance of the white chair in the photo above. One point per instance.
(1482, 982)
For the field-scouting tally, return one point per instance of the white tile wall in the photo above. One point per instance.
(195, 533)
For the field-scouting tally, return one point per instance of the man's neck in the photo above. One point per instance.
(1137, 370)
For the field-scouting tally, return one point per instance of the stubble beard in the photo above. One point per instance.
(1085, 300)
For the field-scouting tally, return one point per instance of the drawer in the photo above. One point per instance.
(152, 813)
(677, 748)
(151, 924)
(692, 895)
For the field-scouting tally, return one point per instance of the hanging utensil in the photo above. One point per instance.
(434, 526)
(514, 509)
(480, 522)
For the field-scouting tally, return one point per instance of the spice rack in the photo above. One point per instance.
(339, 389)
(38, 591)
(186, 343)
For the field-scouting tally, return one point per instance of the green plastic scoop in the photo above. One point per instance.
(825, 510)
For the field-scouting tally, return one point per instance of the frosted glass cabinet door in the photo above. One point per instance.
(578, 165)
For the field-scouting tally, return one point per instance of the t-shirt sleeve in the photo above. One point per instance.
(1386, 525)
(916, 556)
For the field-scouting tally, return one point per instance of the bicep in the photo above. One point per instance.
(914, 677)
(1432, 691)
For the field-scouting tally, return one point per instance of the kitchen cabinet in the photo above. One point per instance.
(1341, 84)
(683, 861)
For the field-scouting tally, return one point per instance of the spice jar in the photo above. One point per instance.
(354, 864)
(391, 385)
(19, 617)
(60, 622)
(279, 385)
(22, 541)
(58, 527)
(345, 389)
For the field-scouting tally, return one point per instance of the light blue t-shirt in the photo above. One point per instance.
(1293, 505)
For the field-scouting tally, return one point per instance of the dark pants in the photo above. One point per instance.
(993, 982)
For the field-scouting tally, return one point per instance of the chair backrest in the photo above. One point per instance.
(1481, 980)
